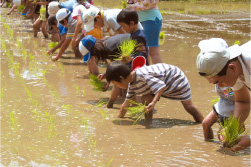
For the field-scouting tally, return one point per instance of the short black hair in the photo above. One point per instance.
(127, 15)
(115, 70)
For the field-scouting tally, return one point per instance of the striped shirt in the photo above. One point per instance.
(150, 79)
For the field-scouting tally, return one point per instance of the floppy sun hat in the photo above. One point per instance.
(88, 17)
(62, 14)
(53, 7)
(214, 55)
(85, 46)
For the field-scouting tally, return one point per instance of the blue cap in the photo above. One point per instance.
(85, 46)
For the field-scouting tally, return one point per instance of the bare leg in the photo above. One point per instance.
(207, 124)
(191, 109)
(155, 55)
(44, 29)
(12, 9)
(36, 25)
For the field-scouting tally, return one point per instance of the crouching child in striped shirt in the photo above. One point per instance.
(152, 82)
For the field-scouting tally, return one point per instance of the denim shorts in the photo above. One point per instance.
(152, 30)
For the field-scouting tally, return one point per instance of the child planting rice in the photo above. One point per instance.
(152, 82)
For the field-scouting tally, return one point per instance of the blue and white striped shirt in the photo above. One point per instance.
(150, 79)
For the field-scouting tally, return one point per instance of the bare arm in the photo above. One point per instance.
(60, 43)
(62, 49)
(242, 104)
(123, 110)
(77, 30)
(151, 105)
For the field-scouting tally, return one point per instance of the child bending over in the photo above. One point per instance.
(152, 82)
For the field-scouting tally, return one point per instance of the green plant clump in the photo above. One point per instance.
(231, 131)
(126, 49)
(96, 83)
(136, 111)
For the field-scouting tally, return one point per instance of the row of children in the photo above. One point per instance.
(151, 82)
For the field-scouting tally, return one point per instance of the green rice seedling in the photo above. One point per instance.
(20, 8)
(161, 35)
(231, 131)
(51, 45)
(52, 128)
(104, 114)
(127, 49)
(123, 4)
(237, 42)
(214, 101)
(13, 120)
(136, 111)
(101, 103)
(68, 107)
(96, 83)
(3, 45)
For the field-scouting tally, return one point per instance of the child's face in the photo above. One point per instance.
(126, 27)
(123, 84)
(98, 22)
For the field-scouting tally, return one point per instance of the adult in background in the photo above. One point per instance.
(228, 67)
(151, 20)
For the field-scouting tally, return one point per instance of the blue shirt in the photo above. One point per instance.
(70, 4)
(62, 29)
(140, 37)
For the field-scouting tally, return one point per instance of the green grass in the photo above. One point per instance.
(136, 111)
(231, 131)
(96, 83)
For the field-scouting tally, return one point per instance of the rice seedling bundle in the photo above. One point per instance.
(161, 35)
(232, 131)
(126, 49)
(96, 83)
(136, 111)
(51, 45)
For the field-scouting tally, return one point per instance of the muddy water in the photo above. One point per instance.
(49, 112)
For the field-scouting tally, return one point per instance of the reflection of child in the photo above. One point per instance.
(221, 110)
(152, 82)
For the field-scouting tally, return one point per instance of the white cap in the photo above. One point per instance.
(53, 7)
(214, 55)
(88, 17)
(62, 14)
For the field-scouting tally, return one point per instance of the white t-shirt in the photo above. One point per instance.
(245, 60)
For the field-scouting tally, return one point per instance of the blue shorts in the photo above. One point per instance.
(152, 30)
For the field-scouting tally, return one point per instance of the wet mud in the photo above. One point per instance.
(50, 114)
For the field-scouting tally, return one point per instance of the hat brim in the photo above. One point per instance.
(87, 57)
(234, 51)
(138, 62)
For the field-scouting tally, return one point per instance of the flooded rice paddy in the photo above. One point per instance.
(50, 114)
